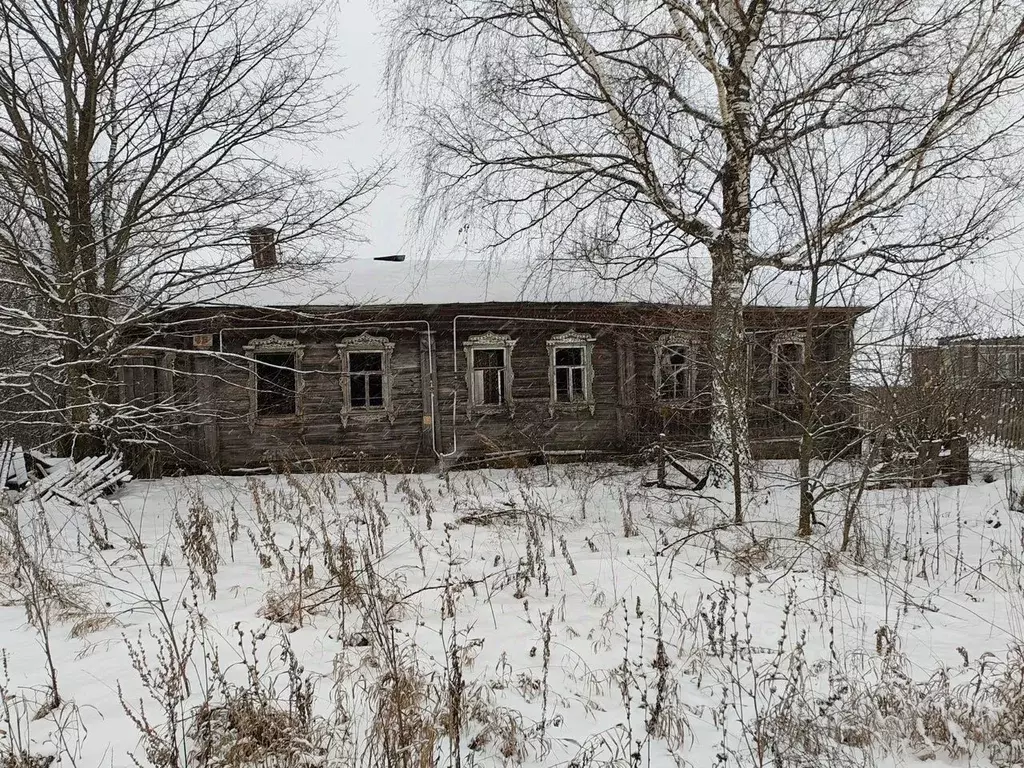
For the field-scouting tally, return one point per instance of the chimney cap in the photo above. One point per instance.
(392, 257)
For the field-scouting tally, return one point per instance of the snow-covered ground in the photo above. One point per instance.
(566, 616)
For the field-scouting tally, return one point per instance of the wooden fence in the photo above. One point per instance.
(980, 413)
(997, 414)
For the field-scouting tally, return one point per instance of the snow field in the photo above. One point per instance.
(565, 616)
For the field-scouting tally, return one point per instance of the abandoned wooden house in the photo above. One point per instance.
(400, 363)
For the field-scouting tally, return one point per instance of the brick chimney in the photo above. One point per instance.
(263, 243)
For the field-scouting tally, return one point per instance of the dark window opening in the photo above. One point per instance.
(789, 360)
(570, 384)
(275, 383)
(366, 379)
(675, 373)
(488, 376)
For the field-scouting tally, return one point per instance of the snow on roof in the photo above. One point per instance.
(368, 282)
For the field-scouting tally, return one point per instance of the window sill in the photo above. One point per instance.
(274, 418)
(586, 406)
(490, 410)
(371, 415)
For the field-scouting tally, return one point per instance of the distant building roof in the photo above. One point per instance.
(368, 282)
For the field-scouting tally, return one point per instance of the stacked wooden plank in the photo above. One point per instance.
(82, 482)
(43, 477)
(13, 472)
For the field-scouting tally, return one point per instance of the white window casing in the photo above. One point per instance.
(367, 377)
(675, 371)
(273, 346)
(571, 372)
(489, 374)
(788, 355)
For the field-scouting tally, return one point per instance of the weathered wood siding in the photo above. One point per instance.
(429, 389)
(317, 431)
(531, 425)
(770, 420)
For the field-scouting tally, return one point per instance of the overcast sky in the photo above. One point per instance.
(362, 51)
(388, 229)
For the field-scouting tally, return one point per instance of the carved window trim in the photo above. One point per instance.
(794, 339)
(572, 339)
(364, 342)
(665, 341)
(485, 341)
(273, 345)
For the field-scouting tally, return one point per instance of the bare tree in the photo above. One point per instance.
(139, 142)
(838, 270)
(622, 132)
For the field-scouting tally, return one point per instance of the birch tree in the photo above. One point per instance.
(620, 132)
(139, 141)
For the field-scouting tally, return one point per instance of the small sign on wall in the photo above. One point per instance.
(202, 341)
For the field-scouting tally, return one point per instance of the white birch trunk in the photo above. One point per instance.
(730, 440)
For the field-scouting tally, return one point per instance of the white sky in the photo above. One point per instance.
(362, 51)
(389, 230)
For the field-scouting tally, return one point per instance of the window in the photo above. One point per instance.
(366, 379)
(571, 373)
(275, 384)
(488, 376)
(149, 380)
(140, 375)
(999, 361)
(489, 373)
(366, 376)
(1007, 367)
(956, 362)
(787, 367)
(674, 369)
(179, 379)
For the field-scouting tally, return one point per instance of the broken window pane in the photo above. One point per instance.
(275, 383)
(488, 376)
(675, 373)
